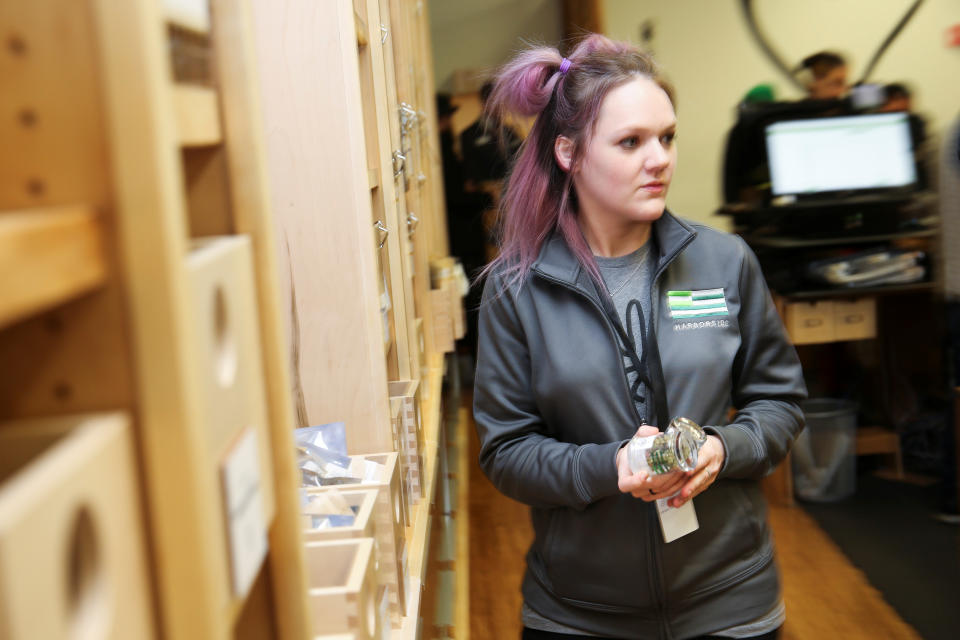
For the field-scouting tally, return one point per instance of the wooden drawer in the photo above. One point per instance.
(855, 319)
(344, 595)
(72, 551)
(810, 322)
(225, 340)
(389, 528)
(364, 502)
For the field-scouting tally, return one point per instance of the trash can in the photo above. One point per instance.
(824, 455)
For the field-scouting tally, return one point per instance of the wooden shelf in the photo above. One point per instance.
(858, 292)
(790, 242)
(198, 116)
(48, 257)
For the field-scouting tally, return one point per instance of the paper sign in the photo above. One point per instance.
(243, 499)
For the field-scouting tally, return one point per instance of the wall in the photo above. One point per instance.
(483, 34)
(709, 54)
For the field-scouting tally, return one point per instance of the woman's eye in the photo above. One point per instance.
(629, 143)
(668, 139)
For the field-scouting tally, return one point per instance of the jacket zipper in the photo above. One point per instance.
(653, 359)
(657, 581)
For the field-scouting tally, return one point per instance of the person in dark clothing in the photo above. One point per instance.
(487, 147)
(464, 213)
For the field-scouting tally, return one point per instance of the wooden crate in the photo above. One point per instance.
(343, 593)
(389, 528)
(397, 410)
(412, 439)
(72, 544)
(364, 501)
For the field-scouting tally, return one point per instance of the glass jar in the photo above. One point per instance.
(672, 450)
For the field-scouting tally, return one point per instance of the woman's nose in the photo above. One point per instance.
(658, 157)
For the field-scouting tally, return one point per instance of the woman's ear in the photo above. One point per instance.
(563, 152)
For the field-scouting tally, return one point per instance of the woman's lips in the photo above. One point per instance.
(654, 187)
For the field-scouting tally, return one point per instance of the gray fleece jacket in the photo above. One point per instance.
(552, 407)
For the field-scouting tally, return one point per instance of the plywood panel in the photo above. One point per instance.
(321, 204)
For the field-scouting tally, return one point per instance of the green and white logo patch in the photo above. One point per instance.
(697, 304)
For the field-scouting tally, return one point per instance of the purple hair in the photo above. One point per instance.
(539, 195)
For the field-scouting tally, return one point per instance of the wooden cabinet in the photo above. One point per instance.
(137, 143)
(217, 220)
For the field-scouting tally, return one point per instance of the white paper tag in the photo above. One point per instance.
(676, 522)
(243, 502)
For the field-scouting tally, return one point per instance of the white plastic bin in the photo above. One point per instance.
(824, 455)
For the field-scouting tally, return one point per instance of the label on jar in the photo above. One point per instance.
(676, 522)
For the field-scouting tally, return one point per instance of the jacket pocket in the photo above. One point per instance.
(598, 558)
(730, 545)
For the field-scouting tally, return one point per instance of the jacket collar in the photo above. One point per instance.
(557, 262)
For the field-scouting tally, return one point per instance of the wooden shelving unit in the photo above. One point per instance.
(217, 221)
(120, 306)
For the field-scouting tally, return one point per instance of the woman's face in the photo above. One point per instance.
(625, 171)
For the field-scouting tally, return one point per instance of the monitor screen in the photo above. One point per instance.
(816, 156)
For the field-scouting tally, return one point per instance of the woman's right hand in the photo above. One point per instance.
(647, 486)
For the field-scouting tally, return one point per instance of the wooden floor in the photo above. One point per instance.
(826, 597)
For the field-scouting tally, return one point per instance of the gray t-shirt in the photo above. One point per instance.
(628, 278)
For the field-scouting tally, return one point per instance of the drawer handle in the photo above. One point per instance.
(812, 322)
(853, 318)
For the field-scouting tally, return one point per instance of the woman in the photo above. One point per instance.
(569, 368)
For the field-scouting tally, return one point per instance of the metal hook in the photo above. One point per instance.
(398, 159)
(412, 222)
(383, 30)
(384, 232)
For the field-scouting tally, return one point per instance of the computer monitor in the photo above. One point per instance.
(841, 156)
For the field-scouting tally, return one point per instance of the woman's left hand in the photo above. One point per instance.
(709, 461)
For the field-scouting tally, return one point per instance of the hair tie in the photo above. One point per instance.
(565, 65)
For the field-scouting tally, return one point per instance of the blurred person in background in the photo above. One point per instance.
(950, 233)
(465, 208)
(824, 75)
(487, 148)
